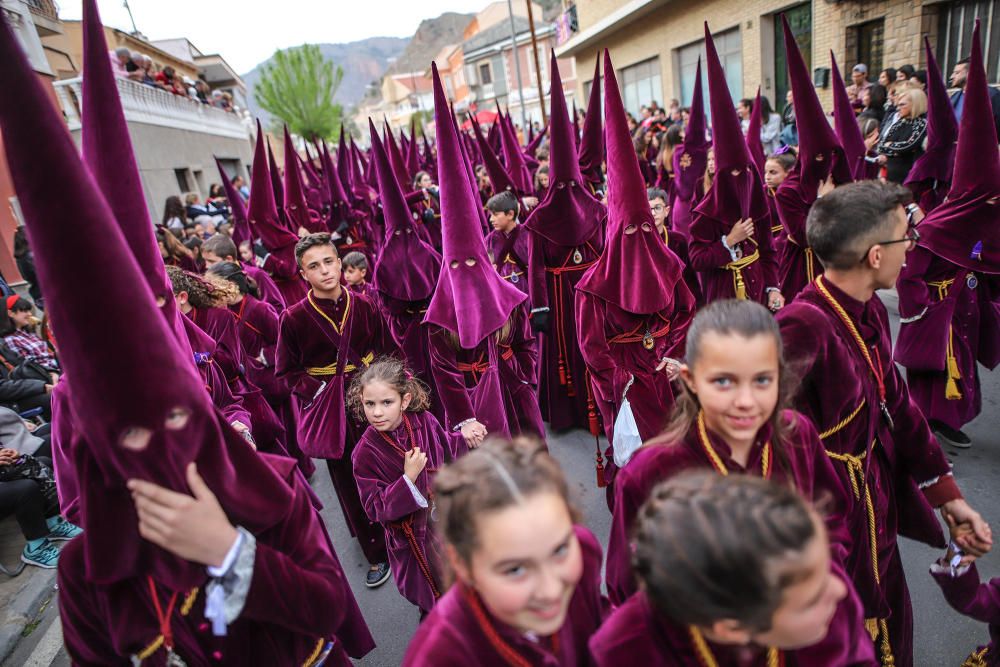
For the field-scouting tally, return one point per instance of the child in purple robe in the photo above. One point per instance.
(322, 340)
(731, 417)
(736, 572)
(508, 244)
(356, 273)
(730, 234)
(837, 339)
(395, 463)
(526, 578)
(675, 242)
(776, 169)
(221, 248)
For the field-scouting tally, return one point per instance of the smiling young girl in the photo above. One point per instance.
(776, 170)
(527, 577)
(734, 571)
(394, 465)
(730, 418)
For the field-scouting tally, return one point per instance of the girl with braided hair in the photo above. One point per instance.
(734, 571)
(395, 462)
(526, 576)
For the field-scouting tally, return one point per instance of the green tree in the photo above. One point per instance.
(297, 87)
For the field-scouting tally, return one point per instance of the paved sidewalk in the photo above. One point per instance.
(22, 596)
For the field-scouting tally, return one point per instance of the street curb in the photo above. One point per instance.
(39, 585)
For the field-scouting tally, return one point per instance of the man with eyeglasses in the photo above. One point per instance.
(837, 339)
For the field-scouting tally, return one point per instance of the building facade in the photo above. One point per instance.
(655, 44)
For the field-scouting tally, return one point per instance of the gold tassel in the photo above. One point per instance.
(951, 391)
(871, 625)
(741, 288)
(976, 658)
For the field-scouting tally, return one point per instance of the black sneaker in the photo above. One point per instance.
(378, 575)
(952, 436)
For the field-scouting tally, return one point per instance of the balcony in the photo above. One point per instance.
(153, 106)
(45, 15)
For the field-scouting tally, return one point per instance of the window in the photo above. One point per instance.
(800, 21)
(729, 45)
(955, 23)
(485, 74)
(641, 85)
(183, 182)
(864, 45)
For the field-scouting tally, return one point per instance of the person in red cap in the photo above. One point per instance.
(949, 286)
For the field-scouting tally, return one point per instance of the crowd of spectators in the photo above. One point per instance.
(188, 221)
(139, 67)
(891, 112)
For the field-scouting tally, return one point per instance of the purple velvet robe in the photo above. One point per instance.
(298, 597)
(414, 550)
(453, 636)
(308, 342)
(805, 466)
(898, 457)
(266, 286)
(611, 363)
(552, 277)
(923, 344)
(636, 634)
(797, 264)
(980, 601)
(513, 266)
(230, 357)
(689, 170)
(678, 244)
(467, 391)
(778, 237)
(709, 257)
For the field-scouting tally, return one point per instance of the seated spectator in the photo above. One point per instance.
(173, 252)
(23, 436)
(18, 332)
(205, 213)
(25, 385)
(902, 142)
(28, 491)
(174, 216)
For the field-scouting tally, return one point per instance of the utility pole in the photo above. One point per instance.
(538, 70)
(135, 31)
(517, 66)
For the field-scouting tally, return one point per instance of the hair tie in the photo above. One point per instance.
(784, 149)
(505, 477)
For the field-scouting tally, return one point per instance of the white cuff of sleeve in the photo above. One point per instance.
(230, 558)
(459, 425)
(732, 253)
(417, 496)
(907, 320)
(543, 309)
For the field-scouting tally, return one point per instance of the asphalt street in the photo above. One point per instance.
(942, 637)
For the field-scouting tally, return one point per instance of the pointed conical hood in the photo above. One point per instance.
(632, 247)
(262, 213)
(237, 209)
(691, 160)
(592, 141)
(536, 141)
(471, 299)
(343, 168)
(820, 152)
(362, 189)
(143, 414)
(493, 134)
(846, 125)
(340, 207)
(499, 178)
(407, 268)
(938, 160)
(296, 210)
(737, 192)
(965, 229)
(514, 161)
(754, 144)
(412, 158)
(576, 115)
(427, 159)
(569, 214)
(277, 187)
(395, 157)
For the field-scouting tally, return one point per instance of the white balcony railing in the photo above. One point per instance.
(154, 106)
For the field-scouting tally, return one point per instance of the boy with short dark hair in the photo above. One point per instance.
(659, 206)
(507, 246)
(322, 340)
(837, 338)
(356, 272)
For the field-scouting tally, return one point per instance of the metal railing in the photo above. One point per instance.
(46, 8)
(148, 104)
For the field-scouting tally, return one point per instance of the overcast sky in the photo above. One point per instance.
(245, 35)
